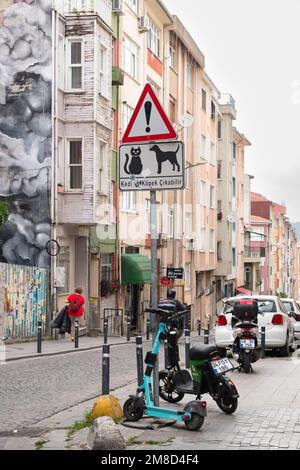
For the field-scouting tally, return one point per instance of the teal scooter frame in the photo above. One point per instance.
(142, 403)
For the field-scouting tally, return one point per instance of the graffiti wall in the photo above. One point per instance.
(23, 300)
(25, 130)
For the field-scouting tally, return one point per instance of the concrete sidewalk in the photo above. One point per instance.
(28, 350)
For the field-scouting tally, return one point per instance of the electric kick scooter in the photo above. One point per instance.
(142, 404)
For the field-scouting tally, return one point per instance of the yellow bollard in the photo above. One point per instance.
(107, 405)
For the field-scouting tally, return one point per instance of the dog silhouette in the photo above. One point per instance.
(162, 157)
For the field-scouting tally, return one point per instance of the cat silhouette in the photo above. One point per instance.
(135, 167)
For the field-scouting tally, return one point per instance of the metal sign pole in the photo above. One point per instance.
(154, 280)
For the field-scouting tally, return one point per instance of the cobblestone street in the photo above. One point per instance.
(268, 415)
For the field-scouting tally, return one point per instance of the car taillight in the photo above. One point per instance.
(277, 319)
(297, 317)
(222, 320)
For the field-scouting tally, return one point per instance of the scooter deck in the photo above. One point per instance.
(165, 413)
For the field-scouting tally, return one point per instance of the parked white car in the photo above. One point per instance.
(293, 310)
(272, 315)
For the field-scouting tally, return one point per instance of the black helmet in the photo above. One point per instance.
(171, 294)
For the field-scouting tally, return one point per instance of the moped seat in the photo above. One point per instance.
(203, 352)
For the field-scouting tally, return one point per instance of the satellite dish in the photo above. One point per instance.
(186, 120)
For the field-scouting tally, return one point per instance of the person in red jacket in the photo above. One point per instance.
(75, 308)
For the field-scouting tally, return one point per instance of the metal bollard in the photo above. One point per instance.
(139, 359)
(263, 342)
(128, 329)
(105, 328)
(148, 329)
(39, 336)
(105, 369)
(76, 340)
(206, 336)
(187, 335)
(199, 327)
(166, 351)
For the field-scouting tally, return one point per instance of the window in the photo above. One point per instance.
(172, 111)
(170, 222)
(133, 4)
(257, 234)
(103, 161)
(154, 38)
(63, 262)
(130, 57)
(212, 153)
(233, 187)
(154, 86)
(212, 240)
(103, 71)
(75, 164)
(189, 75)
(233, 151)
(203, 238)
(127, 112)
(219, 129)
(213, 111)
(219, 251)
(219, 170)
(173, 57)
(61, 62)
(212, 197)
(128, 201)
(75, 65)
(233, 257)
(203, 147)
(106, 267)
(188, 177)
(219, 205)
(234, 227)
(188, 225)
(203, 94)
(187, 276)
(203, 193)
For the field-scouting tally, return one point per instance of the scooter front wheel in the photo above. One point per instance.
(227, 404)
(167, 389)
(132, 411)
(195, 423)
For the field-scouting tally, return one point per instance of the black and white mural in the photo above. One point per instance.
(25, 130)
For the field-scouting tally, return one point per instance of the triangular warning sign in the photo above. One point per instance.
(149, 121)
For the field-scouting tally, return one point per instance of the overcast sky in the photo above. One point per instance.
(252, 50)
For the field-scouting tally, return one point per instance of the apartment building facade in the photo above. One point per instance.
(85, 170)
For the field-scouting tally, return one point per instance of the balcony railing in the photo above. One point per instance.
(227, 99)
(252, 254)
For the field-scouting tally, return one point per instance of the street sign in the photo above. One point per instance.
(149, 121)
(152, 166)
(175, 273)
(165, 281)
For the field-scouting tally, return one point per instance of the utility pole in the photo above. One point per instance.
(154, 281)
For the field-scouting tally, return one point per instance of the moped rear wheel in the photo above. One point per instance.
(167, 389)
(132, 411)
(247, 363)
(195, 423)
(227, 404)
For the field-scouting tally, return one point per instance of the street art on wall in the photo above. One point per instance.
(23, 294)
(25, 130)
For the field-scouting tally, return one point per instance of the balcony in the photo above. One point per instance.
(251, 256)
(227, 99)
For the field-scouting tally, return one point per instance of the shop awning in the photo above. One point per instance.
(136, 269)
(242, 290)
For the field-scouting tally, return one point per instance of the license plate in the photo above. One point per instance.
(247, 343)
(221, 366)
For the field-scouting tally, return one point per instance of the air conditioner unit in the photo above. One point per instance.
(117, 6)
(143, 24)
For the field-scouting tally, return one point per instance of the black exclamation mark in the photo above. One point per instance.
(148, 109)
